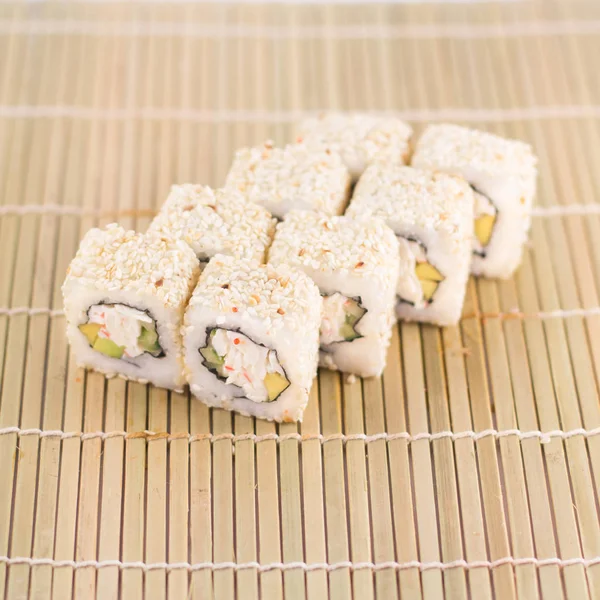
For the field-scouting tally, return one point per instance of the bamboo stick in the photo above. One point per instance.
(54, 392)
(358, 489)
(334, 484)
(312, 498)
(284, 74)
(197, 167)
(64, 549)
(20, 456)
(517, 505)
(40, 281)
(558, 344)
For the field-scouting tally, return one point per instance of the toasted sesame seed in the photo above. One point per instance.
(462, 150)
(215, 221)
(363, 246)
(360, 138)
(114, 259)
(408, 198)
(282, 179)
(280, 297)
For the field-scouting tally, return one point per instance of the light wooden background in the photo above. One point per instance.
(102, 107)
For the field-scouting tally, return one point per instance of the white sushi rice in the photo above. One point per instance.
(360, 138)
(355, 264)
(294, 177)
(277, 309)
(215, 222)
(501, 169)
(432, 215)
(140, 277)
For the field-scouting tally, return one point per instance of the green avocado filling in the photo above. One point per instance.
(354, 313)
(148, 340)
(108, 347)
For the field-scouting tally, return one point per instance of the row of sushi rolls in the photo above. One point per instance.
(306, 256)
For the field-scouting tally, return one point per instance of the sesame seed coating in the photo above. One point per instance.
(360, 138)
(292, 177)
(452, 147)
(281, 297)
(113, 259)
(215, 222)
(363, 247)
(405, 196)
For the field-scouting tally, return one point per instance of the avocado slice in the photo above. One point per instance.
(484, 227)
(354, 313)
(276, 384)
(348, 332)
(148, 340)
(429, 278)
(90, 330)
(108, 347)
(213, 360)
(425, 270)
(429, 287)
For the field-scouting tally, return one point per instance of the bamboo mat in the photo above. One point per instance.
(472, 469)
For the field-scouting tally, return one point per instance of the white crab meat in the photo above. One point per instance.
(122, 325)
(333, 318)
(246, 364)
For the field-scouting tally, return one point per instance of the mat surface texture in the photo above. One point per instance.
(470, 470)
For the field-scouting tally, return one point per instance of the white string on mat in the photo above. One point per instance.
(298, 565)
(337, 32)
(543, 436)
(25, 310)
(287, 116)
(566, 209)
(58, 209)
(551, 314)
(52, 209)
(284, 1)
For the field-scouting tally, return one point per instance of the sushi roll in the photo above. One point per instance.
(432, 215)
(355, 264)
(125, 295)
(282, 179)
(359, 138)
(502, 174)
(215, 222)
(251, 338)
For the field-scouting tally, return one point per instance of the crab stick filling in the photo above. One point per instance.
(120, 331)
(239, 361)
